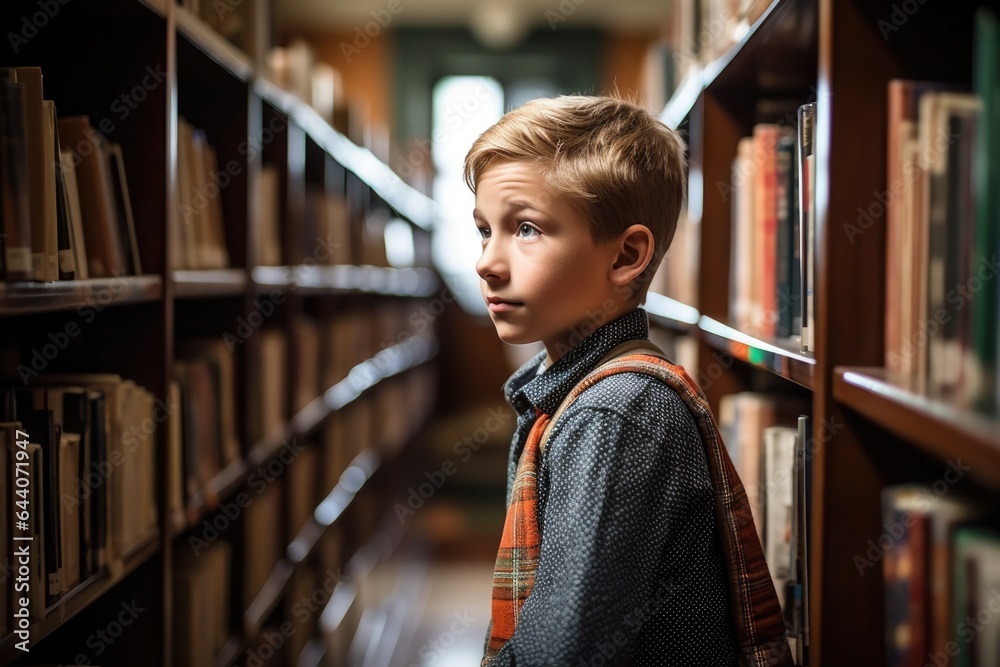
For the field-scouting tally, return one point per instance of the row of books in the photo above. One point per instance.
(203, 597)
(243, 24)
(89, 442)
(942, 245)
(278, 501)
(770, 442)
(67, 212)
(702, 30)
(199, 234)
(940, 559)
(302, 363)
(772, 286)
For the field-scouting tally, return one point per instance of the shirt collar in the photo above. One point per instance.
(527, 388)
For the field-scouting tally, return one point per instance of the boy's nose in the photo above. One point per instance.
(491, 266)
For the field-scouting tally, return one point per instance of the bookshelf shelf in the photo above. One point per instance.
(174, 67)
(778, 357)
(267, 599)
(159, 7)
(229, 653)
(671, 313)
(776, 53)
(414, 206)
(80, 598)
(212, 44)
(20, 298)
(229, 479)
(193, 284)
(391, 361)
(347, 279)
(360, 470)
(940, 428)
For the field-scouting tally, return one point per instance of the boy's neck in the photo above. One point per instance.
(556, 349)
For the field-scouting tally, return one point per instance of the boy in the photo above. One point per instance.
(612, 552)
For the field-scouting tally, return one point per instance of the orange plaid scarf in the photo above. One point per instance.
(756, 614)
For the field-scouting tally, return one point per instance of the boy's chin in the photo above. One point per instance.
(514, 335)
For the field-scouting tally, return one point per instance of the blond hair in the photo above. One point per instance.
(614, 162)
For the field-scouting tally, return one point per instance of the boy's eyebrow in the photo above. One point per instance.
(513, 206)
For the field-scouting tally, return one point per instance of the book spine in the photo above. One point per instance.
(783, 235)
(14, 194)
(986, 80)
(807, 118)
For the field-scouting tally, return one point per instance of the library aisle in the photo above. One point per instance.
(251, 399)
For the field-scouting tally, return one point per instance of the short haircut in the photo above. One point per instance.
(614, 162)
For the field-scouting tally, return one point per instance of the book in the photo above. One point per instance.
(904, 268)
(264, 522)
(268, 202)
(982, 565)
(796, 592)
(202, 602)
(779, 470)
(77, 421)
(219, 404)
(55, 238)
(71, 192)
(125, 463)
(67, 240)
(765, 220)
(974, 569)
(123, 208)
(905, 565)
(105, 251)
(984, 391)
(38, 173)
(198, 234)
(743, 418)
(945, 268)
(35, 412)
(14, 195)
(789, 321)
(807, 220)
(742, 271)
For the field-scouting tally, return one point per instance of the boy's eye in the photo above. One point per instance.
(525, 230)
(484, 232)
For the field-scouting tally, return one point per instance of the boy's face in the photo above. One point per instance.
(540, 257)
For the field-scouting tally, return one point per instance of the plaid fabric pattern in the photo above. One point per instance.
(755, 609)
(520, 544)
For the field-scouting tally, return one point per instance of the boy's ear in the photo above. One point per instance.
(634, 248)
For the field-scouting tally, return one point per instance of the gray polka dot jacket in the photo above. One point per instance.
(631, 571)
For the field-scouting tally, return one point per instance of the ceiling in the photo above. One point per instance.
(318, 15)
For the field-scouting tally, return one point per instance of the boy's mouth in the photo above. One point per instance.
(498, 305)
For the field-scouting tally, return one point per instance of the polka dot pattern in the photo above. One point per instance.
(631, 571)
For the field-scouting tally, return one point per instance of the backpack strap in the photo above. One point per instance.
(636, 346)
(755, 610)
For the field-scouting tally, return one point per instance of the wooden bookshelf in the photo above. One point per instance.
(944, 430)
(781, 358)
(140, 322)
(671, 314)
(362, 468)
(31, 297)
(81, 597)
(203, 284)
(833, 52)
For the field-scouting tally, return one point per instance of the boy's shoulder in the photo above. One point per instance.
(637, 398)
